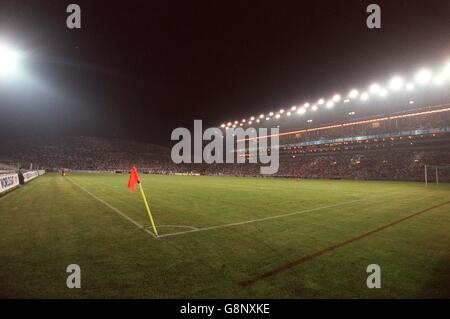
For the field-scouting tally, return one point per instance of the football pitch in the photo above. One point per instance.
(224, 237)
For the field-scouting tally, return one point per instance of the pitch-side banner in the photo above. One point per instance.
(28, 176)
(41, 172)
(8, 181)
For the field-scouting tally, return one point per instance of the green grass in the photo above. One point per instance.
(51, 223)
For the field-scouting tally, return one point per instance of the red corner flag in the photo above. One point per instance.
(134, 178)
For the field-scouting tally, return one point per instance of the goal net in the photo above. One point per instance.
(436, 173)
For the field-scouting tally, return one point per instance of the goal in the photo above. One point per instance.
(432, 172)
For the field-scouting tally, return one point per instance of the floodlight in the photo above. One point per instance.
(9, 60)
(396, 83)
(301, 111)
(314, 108)
(410, 86)
(249, 122)
(234, 125)
(364, 96)
(383, 92)
(267, 118)
(423, 76)
(321, 101)
(271, 114)
(236, 122)
(374, 88)
(229, 124)
(277, 116)
(306, 105)
(353, 93)
(257, 121)
(222, 126)
(252, 118)
(336, 98)
(330, 104)
(346, 100)
(447, 69)
(439, 79)
(309, 121)
(411, 102)
(288, 113)
(293, 108)
(281, 111)
(261, 116)
(243, 120)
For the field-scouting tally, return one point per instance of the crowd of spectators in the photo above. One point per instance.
(102, 154)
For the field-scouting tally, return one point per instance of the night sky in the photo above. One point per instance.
(138, 69)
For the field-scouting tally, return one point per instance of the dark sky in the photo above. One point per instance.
(138, 69)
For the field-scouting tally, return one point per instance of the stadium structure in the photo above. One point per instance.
(228, 236)
(385, 131)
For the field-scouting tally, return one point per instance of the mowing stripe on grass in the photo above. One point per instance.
(259, 219)
(304, 259)
(113, 208)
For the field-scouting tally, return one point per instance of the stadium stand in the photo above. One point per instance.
(390, 147)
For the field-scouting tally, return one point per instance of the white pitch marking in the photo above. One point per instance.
(260, 219)
(113, 208)
(178, 226)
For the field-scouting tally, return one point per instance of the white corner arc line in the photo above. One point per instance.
(113, 208)
(260, 219)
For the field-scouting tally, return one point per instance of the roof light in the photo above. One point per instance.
(410, 86)
(301, 111)
(396, 83)
(321, 101)
(439, 79)
(353, 93)
(336, 98)
(423, 76)
(374, 88)
(383, 92)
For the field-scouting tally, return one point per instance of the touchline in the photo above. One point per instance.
(236, 146)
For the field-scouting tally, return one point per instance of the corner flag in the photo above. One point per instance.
(132, 181)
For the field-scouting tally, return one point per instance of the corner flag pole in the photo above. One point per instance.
(148, 208)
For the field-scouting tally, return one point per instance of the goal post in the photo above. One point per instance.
(434, 171)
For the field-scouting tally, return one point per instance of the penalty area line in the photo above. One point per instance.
(113, 208)
(259, 219)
